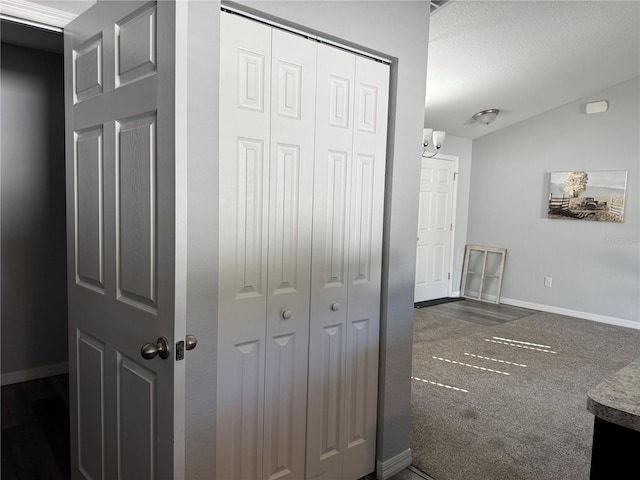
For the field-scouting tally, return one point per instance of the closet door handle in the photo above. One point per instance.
(286, 314)
(335, 306)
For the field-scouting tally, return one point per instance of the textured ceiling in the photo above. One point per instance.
(525, 58)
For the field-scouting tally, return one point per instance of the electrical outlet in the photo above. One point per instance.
(548, 281)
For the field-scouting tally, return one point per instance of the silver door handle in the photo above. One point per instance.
(287, 314)
(335, 306)
(150, 350)
(190, 342)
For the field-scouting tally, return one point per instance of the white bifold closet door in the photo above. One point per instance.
(266, 179)
(351, 128)
(302, 161)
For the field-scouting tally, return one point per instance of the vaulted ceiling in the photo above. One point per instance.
(524, 58)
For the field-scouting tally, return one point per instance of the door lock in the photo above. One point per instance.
(189, 343)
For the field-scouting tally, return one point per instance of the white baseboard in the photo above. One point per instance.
(620, 322)
(34, 373)
(389, 468)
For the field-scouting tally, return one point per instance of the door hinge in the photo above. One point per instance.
(452, 227)
(449, 276)
(180, 350)
(455, 175)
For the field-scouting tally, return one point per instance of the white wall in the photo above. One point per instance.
(34, 305)
(202, 250)
(595, 266)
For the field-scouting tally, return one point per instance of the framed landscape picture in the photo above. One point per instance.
(596, 196)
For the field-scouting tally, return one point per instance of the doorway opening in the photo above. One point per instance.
(35, 411)
(436, 220)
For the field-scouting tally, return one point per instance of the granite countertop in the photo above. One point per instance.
(617, 399)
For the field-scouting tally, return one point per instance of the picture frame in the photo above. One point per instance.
(588, 195)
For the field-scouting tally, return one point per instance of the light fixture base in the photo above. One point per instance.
(426, 155)
(486, 116)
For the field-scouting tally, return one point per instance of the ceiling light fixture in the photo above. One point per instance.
(486, 116)
(430, 137)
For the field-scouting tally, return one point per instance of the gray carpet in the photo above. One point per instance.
(472, 421)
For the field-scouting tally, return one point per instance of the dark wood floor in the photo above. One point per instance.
(483, 313)
(35, 430)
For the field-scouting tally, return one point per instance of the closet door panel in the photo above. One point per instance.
(365, 266)
(293, 70)
(245, 82)
(329, 278)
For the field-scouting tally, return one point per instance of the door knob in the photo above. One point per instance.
(335, 306)
(150, 350)
(190, 342)
(287, 314)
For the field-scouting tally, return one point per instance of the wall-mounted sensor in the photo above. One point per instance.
(597, 107)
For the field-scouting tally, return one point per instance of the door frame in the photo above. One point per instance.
(454, 204)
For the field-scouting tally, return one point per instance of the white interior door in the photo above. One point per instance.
(371, 91)
(266, 183)
(245, 112)
(302, 164)
(127, 418)
(293, 86)
(330, 267)
(435, 229)
(351, 130)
